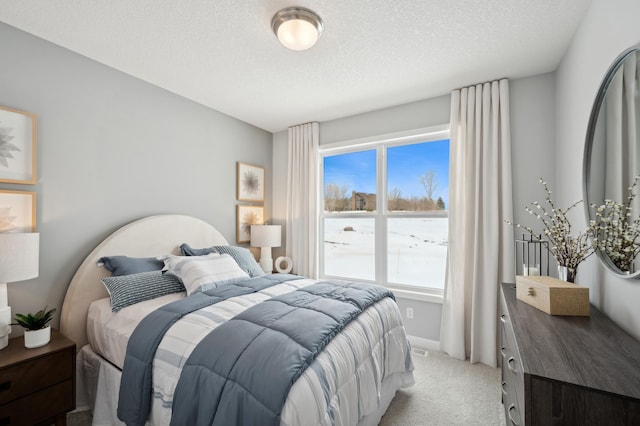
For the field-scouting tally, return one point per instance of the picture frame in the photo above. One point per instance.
(249, 182)
(245, 217)
(17, 211)
(17, 146)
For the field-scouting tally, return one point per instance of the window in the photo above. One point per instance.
(384, 214)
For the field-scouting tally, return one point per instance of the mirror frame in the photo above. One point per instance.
(586, 162)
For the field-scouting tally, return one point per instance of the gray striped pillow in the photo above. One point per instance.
(126, 290)
(201, 273)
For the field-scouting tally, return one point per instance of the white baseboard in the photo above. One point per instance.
(422, 343)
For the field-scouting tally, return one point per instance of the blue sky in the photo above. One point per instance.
(406, 164)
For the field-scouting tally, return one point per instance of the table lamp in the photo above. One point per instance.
(19, 259)
(265, 237)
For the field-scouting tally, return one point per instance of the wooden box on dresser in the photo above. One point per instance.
(561, 370)
(37, 386)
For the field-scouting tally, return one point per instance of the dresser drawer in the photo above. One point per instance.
(510, 400)
(512, 373)
(510, 356)
(26, 377)
(38, 406)
(512, 388)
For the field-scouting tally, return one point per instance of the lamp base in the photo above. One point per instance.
(5, 328)
(266, 261)
(4, 336)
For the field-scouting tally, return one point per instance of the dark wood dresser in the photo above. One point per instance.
(566, 370)
(37, 386)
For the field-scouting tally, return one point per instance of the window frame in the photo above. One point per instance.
(381, 215)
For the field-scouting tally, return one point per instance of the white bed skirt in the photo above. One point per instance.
(98, 382)
(97, 385)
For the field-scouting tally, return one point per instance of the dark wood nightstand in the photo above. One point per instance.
(37, 386)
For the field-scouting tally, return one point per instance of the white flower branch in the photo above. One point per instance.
(615, 233)
(567, 249)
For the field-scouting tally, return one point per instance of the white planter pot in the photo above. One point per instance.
(37, 338)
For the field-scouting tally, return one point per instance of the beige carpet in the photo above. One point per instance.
(447, 392)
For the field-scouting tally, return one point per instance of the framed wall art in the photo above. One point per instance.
(250, 182)
(17, 211)
(247, 216)
(17, 146)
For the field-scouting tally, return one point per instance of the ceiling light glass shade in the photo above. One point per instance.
(297, 28)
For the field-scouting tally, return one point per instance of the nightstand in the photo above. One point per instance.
(37, 386)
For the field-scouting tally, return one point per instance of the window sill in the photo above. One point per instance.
(428, 295)
(421, 296)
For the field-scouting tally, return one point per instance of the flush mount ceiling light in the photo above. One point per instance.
(297, 28)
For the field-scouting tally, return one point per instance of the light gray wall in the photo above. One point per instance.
(112, 149)
(279, 184)
(532, 133)
(415, 115)
(532, 106)
(609, 27)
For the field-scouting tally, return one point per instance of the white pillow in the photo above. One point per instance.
(201, 273)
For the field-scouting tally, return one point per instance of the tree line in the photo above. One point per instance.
(339, 198)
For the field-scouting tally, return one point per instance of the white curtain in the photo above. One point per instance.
(480, 254)
(302, 187)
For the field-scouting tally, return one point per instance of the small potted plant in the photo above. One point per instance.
(38, 331)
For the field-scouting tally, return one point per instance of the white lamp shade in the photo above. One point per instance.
(266, 235)
(19, 256)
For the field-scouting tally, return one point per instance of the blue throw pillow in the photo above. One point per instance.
(241, 255)
(124, 265)
(125, 290)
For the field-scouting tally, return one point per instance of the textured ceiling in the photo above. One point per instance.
(373, 53)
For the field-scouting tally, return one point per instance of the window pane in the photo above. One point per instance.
(418, 176)
(417, 251)
(349, 248)
(350, 182)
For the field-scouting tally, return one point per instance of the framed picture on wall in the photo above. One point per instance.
(17, 211)
(247, 216)
(250, 182)
(17, 146)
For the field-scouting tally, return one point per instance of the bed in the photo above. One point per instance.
(351, 381)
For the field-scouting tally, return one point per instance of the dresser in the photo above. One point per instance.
(566, 370)
(37, 386)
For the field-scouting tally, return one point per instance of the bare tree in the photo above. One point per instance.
(335, 197)
(395, 199)
(430, 183)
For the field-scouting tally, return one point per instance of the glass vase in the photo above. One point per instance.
(567, 274)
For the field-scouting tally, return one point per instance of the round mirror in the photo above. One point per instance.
(612, 166)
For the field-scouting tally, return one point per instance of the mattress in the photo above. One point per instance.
(108, 332)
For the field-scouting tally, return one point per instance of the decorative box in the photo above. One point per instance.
(553, 296)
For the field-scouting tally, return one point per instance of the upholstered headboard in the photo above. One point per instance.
(150, 236)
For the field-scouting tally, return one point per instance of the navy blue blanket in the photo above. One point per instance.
(266, 348)
(134, 401)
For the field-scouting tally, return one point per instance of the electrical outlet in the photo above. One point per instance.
(409, 313)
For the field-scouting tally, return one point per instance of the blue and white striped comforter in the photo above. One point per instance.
(342, 387)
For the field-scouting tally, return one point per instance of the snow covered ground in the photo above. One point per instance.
(417, 250)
